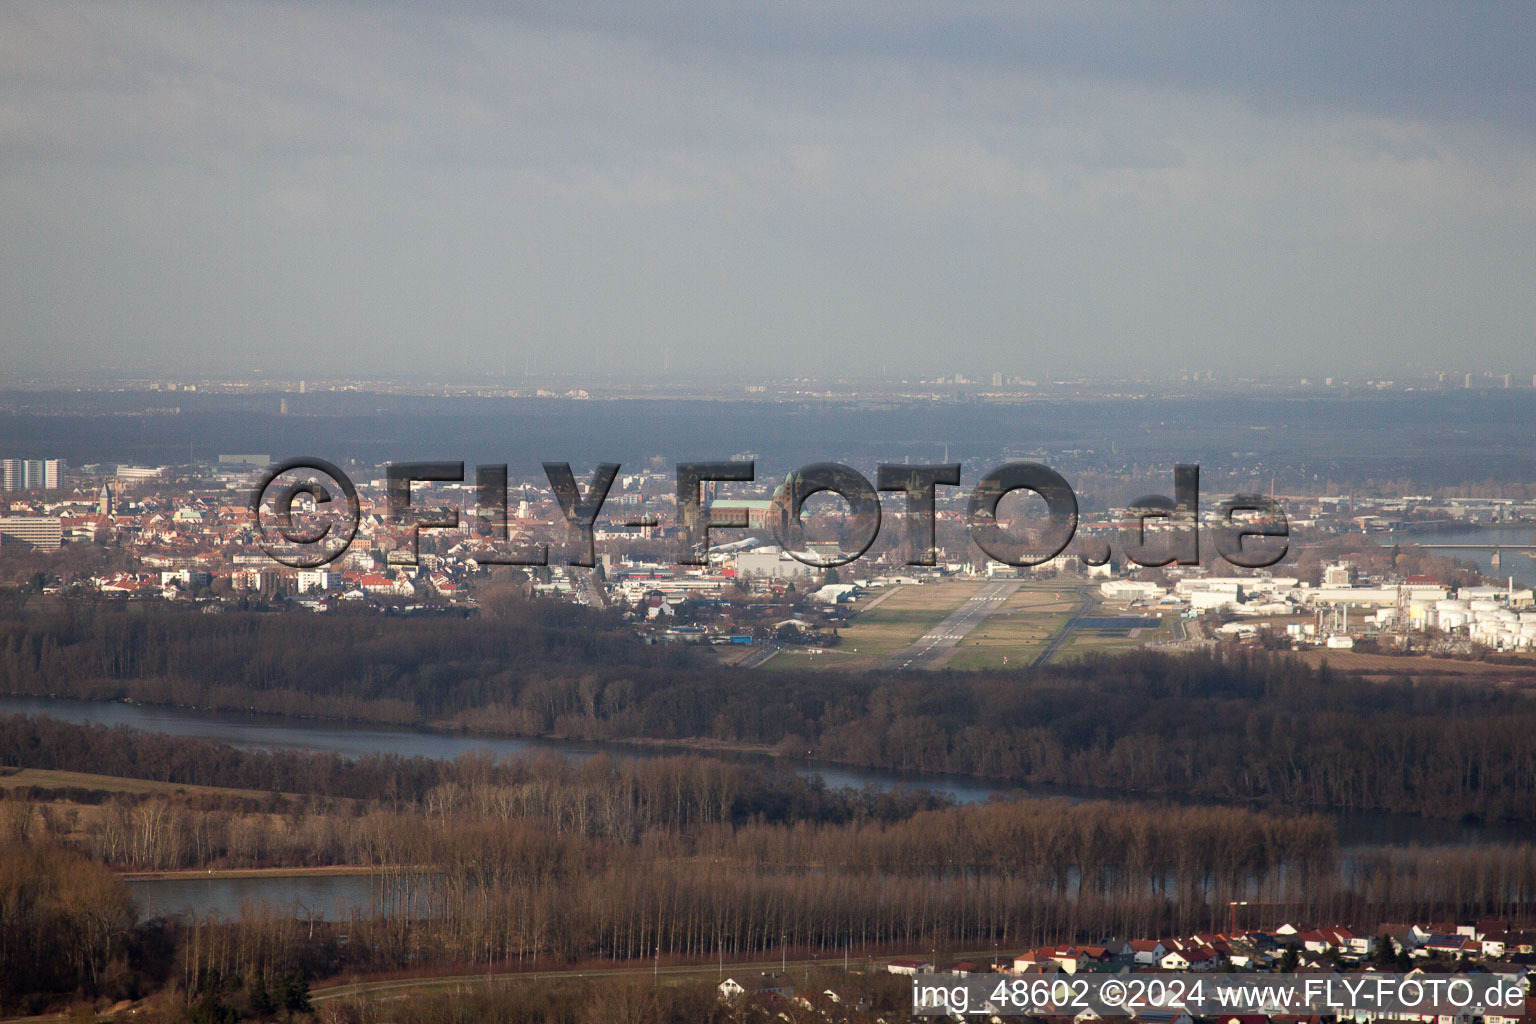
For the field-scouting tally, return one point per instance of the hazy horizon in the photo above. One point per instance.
(884, 190)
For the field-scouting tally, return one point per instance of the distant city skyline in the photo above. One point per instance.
(448, 381)
(477, 192)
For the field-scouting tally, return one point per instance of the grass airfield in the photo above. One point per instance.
(1013, 636)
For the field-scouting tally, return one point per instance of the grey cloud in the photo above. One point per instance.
(764, 187)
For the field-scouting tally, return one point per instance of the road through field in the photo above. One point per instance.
(462, 983)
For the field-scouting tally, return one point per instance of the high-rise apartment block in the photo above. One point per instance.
(32, 474)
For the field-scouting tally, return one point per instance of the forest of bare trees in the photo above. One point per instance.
(537, 860)
(65, 923)
(1248, 726)
(492, 864)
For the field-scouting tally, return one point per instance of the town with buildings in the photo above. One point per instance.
(1418, 950)
(1361, 573)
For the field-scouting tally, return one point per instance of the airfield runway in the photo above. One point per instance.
(934, 647)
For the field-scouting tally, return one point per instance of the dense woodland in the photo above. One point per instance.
(531, 861)
(1240, 726)
(538, 860)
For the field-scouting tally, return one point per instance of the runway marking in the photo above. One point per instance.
(931, 649)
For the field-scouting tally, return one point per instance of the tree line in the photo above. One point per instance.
(347, 667)
(1245, 725)
(472, 887)
(638, 793)
(535, 860)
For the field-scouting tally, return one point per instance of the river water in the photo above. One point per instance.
(1519, 564)
(273, 733)
(323, 897)
(334, 896)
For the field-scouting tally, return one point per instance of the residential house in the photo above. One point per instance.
(769, 983)
(1173, 960)
(1164, 1016)
(1523, 1016)
(1404, 938)
(1455, 946)
(1201, 958)
(1315, 941)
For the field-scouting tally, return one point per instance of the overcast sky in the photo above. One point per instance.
(805, 188)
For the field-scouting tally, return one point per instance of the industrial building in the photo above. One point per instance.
(772, 563)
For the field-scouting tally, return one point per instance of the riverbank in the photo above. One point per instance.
(58, 779)
(262, 732)
(220, 874)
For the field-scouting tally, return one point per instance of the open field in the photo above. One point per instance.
(1419, 666)
(1083, 642)
(385, 987)
(26, 778)
(1028, 625)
